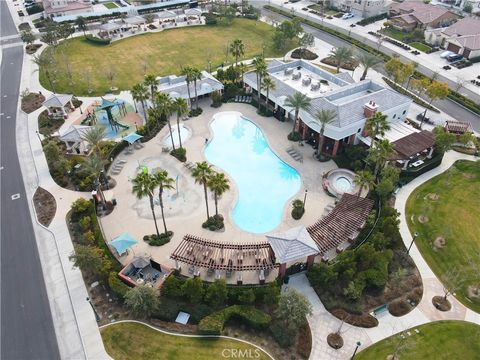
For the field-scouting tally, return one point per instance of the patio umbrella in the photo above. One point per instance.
(123, 242)
(140, 262)
(131, 138)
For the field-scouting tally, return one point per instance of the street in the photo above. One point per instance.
(27, 330)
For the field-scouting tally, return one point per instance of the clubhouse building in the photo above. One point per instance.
(353, 103)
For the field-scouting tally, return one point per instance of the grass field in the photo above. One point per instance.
(453, 216)
(393, 33)
(420, 46)
(133, 341)
(110, 5)
(163, 53)
(440, 340)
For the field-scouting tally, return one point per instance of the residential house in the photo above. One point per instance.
(55, 8)
(409, 15)
(353, 103)
(362, 8)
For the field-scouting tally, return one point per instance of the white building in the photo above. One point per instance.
(55, 8)
(362, 8)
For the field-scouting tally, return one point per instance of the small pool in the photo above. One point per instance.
(343, 184)
(265, 183)
(339, 181)
(184, 134)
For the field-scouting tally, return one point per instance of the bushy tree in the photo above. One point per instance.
(90, 259)
(172, 287)
(216, 293)
(293, 308)
(193, 290)
(142, 301)
(246, 296)
(443, 140)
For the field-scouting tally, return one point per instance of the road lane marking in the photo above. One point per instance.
(15, 196)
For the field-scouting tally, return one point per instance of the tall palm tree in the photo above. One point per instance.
(180, 107)
(95, 164)
(379, 154)
(150, 81)
(377, 125)
(297, 101)
(237, 48)
(81, 24)
(260, 70)
(324, 117)
(144, 184)
(196, 75)
(187, 71)
(163, 106)
(140, 93)
(201, 173)
(342, 55)
(242, 69)
(267, 85)
(218, 183)
(94, 136)
(368, 61)
(364, 179)
(164, 182)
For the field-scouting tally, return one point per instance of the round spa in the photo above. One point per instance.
(339, 181)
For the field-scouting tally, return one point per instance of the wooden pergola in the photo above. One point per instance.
(216, 255)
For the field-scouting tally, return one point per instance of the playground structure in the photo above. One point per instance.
(108, 114)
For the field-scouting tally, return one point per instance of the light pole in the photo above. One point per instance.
(39, 138)
(305, 199)
(413, 240)
(97, 317)
(408, 82)
(358, 344)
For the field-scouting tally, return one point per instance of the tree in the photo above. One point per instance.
(27, 37)
(436, 90)
(237, 48)
(150, 81)
(164, 182)
(377, 125)
(468, 7)
(196, 75)
(180, 107)
(216, 293)
(171, 287)
(306, 41)
(468, 139)
(293, 308)
(188, 73)
(260, 69)
(163, 108)
(144, 184)
(379, 155)
(341, 55)
(393, 68)
(323, 117)
(94, 137)
(363, 179)
(81, 24)
(453, 279)
(368, 61)
(64, 30)
(140, 93)
(389, 177)
(443, 140)
(297, 101)
(149, 18)
(218, 183)
(193, 290)
(267, 85)
(95, 164)
(90, 259)
(201, 173)
(45, 63)
(142, 301)
(50, 36)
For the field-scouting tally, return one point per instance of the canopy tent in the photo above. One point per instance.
(293, 244)
(141, 261)
(110, 27)
(166, 14)
(107, 104)
(75, 133)
(123, 242)
(193, 12)
(135, 20)
(131, 138)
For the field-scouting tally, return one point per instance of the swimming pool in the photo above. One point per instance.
(265, 183)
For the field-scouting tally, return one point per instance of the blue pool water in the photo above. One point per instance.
(264, 182)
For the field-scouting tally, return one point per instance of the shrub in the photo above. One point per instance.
(304, 344)
(372, 19)
(97, 40)
(364, 320)
(399, 307)
(303, 54)
(210, 19)
(168, 309)
(214, 223)
(35, 9)
(117, 286)
(298, 209)
(216, 99)
(195, 112)
(294, 136)
(154, 240)
(284, 336)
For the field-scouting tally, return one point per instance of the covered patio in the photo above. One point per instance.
(414, 149)
(59, 105)
(73, 138)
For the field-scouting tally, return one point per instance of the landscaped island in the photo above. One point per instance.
(445, 213)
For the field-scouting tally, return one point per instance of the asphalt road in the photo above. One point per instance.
(447, 106)
(27, 331)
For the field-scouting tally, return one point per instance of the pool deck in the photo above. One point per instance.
(187, 212)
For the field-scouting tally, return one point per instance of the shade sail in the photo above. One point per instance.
(131, 138)
(123, 242)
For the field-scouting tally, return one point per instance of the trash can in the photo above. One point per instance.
(286, 279)
(114, 202)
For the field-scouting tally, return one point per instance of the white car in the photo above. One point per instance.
(444, 54)
(347, 16)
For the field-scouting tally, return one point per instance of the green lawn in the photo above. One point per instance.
(110, 5)
(393, 33)
(440, 340)
(454, 216)
(164, 53)
(420, 46)
(133, 341)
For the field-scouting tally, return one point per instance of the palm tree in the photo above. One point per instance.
(218, 183)
(201, 173)
(196, 75)
(341, 55)
(260, 70)
(188, 73)
(242, 69)
(377, 125)
(164, 182)
(163, 107)
(297, 101)
(364, 179)
(368, 61)
(140, 93)
(324, 117)
(180, 107)
(237, 48)
(151, 82)
(95, 164)
(144, 184)
(380, 154)
(267, 85)
(94, 136)
(81, 24)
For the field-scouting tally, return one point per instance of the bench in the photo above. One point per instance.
(380, 309)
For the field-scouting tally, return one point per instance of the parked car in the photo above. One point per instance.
(347, 16)
(444, 54)
(454, 57)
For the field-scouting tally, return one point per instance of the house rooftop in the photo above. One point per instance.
(471, 42)
(71, 6)
(465, 26)
(176, 86)
(413, 144)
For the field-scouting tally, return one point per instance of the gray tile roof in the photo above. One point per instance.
(293, 244)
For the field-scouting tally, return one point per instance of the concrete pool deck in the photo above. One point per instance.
(186, 214)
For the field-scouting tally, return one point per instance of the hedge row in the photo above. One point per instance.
(213, 324)
(415, 98)
(408, 175)
(97, 40)
(118, 287)
(464, 101)
(372, 19)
